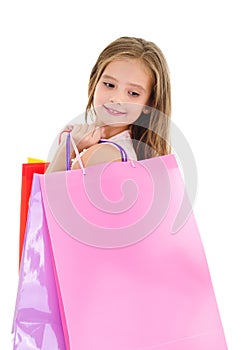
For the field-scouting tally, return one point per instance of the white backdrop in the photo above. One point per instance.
(47, 51)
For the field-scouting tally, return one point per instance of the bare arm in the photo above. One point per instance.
(58, 162)
(99, 153)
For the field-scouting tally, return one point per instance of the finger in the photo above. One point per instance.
(87, 137)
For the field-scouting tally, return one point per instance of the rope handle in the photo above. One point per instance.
(77, 154)
(124, 157)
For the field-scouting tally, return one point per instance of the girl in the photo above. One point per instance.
(129, 95)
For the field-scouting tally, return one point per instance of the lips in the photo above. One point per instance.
(115, 111)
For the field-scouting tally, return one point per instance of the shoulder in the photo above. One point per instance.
(99, 153)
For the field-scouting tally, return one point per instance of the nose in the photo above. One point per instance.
(117, 97)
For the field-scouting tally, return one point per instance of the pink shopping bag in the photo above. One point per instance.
(126, 281)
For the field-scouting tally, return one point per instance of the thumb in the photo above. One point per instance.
(102, 132)
(96, 134)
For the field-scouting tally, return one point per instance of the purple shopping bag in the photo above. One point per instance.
(126, 280)
(37, 322)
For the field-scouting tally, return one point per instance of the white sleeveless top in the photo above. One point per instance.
(124, 140)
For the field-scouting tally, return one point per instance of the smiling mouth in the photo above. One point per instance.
(114, 111)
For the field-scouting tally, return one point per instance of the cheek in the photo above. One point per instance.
(136, 108)
(135, 112)
(101, 96)
(145, 100)
(95, 96)
(98, 96)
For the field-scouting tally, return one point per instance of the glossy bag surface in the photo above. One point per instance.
(126, 280)
(37, 322)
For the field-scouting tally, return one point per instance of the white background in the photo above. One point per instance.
(47, 51)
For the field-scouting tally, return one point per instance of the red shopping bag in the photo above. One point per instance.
(28, 169)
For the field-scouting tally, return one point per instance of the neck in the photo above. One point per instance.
(109, 131)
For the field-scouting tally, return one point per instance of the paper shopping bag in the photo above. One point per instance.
(125, 280)
(28, 169)
(37, 321)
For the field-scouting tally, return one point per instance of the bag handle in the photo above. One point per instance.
(77, 155)
(124, 156)
(68, 167)
(70, 139)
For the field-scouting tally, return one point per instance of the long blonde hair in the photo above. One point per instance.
(150, 135)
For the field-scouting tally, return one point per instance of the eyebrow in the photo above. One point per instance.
(138, 86)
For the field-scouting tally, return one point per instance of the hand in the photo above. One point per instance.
(86, 135)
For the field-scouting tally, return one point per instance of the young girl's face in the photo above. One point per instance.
(122, 91)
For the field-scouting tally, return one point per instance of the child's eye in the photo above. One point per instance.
(133, 93)
(108, 85)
